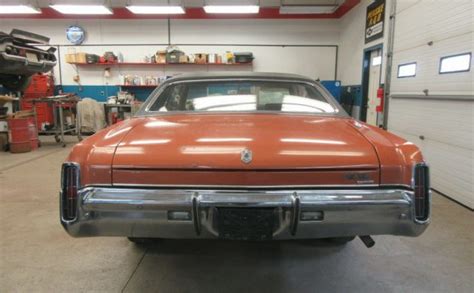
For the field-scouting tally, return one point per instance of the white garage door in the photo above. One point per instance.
(432, 109)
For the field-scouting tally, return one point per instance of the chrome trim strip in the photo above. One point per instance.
(396, 186)
(195, 213)
(120, 185)
(295, 213)
(119, 197)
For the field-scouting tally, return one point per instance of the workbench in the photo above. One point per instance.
(58, 104)
(121, 109)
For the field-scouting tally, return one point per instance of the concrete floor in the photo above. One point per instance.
(36, 255)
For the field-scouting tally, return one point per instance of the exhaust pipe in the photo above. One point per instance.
(367, 240)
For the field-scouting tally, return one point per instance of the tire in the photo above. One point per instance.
(15, 82)
(340, 240)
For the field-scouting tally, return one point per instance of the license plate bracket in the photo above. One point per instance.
(255, 224)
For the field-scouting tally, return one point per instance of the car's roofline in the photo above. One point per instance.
(239, 75)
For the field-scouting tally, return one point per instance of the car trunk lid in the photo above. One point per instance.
(211, 149)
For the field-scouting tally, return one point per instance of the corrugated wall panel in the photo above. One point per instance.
(445, 116)
(435, 120)
(427, 76)
(451, 179)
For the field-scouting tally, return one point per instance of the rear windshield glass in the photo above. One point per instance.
(242, 96)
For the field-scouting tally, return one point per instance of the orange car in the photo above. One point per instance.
(244, 156)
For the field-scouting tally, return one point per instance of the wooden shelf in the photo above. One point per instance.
(159, 64)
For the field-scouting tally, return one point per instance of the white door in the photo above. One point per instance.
(374, 84)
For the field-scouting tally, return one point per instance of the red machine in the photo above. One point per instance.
(41, 86)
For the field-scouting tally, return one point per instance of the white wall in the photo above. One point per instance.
(278, 45)
(98, 31)
(352, 43)
(247, 31)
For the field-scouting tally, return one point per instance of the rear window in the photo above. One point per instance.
(245, 96)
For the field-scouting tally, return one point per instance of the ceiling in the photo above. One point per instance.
(269, 9)
(185, 3)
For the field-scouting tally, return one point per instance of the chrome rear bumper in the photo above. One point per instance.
(140, 212)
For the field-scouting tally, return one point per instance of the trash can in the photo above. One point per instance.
(19, 135)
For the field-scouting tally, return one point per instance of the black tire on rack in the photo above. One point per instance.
(15, 82)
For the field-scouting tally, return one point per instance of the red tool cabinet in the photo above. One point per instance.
(41, 86)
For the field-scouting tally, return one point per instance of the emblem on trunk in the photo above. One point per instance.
(246, 156)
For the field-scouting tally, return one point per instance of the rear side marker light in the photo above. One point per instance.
(69, 188)
(421, 186)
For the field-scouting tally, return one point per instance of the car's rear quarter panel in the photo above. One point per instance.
(94, 154)
(396, 155)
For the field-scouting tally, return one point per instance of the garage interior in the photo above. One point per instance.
(402, 65)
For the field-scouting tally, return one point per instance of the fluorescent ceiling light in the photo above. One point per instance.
(235, 9)
(81, 9)
(138, 9)
(18, 9)
(308, 9)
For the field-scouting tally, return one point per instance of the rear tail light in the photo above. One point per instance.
(69, 187)
(421, 186)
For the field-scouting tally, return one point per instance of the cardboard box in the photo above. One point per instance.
(81, 58)
(200, 58)
(70, 58)
(174, 56)
(160, 57)
(183, 59)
